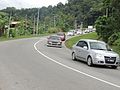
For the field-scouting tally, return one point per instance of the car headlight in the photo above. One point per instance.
(59, 42)
(98, 55)
(49, 42)
(118, 58)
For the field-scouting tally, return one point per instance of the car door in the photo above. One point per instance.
(79, 50)
(84, 50)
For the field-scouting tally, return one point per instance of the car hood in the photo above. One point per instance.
(51, 40)
(105, 53)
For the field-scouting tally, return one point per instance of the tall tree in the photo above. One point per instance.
(3, 22)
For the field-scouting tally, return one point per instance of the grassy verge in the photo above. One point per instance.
(116, 49)
(69, 43)
(20, 37)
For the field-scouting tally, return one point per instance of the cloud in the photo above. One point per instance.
(29, 3)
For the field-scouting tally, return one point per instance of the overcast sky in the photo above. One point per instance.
(28, 3)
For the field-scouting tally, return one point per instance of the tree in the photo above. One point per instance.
(107, 26)
(104, 28)
(3, 22)
(63, 16)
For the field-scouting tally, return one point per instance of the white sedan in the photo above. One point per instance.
(70, 33)
(95, 52)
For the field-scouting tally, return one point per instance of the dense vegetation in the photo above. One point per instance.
(52, 19)
(107, 26)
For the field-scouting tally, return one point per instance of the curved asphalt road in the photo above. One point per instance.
(28, 64)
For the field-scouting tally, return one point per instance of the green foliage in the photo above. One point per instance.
(53, 30)
(108, 26)
(104, 28)
(3, 21)
(116, 46)
(62, 16)
(20, 32)
(12, 33)
(113, 38)
(117, 42)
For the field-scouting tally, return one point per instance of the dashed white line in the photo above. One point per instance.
(68, 67)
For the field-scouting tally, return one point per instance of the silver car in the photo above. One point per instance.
(95, 52)
(54, 40)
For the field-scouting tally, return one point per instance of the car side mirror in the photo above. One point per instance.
(110, 49)
(85, 47)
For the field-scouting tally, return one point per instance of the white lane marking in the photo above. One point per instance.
(68, 67)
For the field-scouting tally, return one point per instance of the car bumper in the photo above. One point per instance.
(103, 62)
(54, 45)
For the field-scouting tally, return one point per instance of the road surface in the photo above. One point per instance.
(28, 64)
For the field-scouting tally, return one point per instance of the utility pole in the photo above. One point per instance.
(81, 27)
(107, 12)
(34, 26)
(26, 21)
(37, 27)
(54, 21)
(25, 24)
(8, 31)
(75, 24)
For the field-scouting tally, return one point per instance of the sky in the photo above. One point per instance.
(29, 3)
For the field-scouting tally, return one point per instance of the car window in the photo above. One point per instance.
(54, 38)
(98, 46)
(60, 34)
(82, 44)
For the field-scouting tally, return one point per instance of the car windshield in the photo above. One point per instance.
(54, 38)
(60, 34)
(99, 46)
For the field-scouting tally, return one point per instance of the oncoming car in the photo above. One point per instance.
(54, 40)
(95, 52)
(62, 35)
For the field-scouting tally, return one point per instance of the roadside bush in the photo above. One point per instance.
(113, 38)
(12, 33)
(104, 28)
(117, 42)
(21, 32)
(53, 30)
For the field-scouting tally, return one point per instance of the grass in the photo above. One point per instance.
(70, 42)
(20, 37)
(116, 49)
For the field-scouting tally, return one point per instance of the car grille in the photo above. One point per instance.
(110, 60)
(54, 43)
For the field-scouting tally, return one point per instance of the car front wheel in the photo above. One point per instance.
(114, 67)
(73, 57)
(89, 61)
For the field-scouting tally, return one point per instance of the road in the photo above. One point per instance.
(28, 64)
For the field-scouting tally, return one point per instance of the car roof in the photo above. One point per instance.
(60, 33)
(54, 36)
(91, 40)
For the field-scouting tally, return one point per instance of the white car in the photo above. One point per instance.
(95, 52)
(86, 31)
(70, 33)
(79, 32)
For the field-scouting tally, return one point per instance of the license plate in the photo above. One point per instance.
(111, 60)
